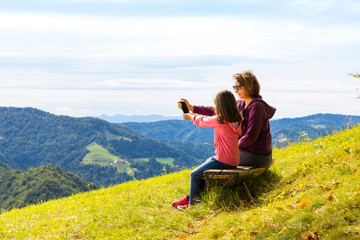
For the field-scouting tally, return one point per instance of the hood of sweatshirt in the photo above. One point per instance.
(270, 111)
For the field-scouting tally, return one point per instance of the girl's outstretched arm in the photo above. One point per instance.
(205, 121)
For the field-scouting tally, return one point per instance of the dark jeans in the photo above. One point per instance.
(197, 184)
(251, 159)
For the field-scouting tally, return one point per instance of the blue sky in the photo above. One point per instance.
(87, 58)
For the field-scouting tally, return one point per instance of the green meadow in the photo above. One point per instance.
(312, 191)
(98, 155)
(101, 156)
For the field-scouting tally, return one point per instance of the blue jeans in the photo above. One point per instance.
(197, 184)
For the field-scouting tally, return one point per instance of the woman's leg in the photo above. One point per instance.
(251, 159)
(198, 173)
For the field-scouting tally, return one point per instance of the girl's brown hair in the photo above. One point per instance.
(225, 107)
(248, 80)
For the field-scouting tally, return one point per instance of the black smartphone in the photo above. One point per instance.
(184, 107)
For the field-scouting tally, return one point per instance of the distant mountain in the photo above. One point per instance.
(94, 149)
(284, 131)
(118, 118)
(21, 188)
(173, 130)
(289, 130)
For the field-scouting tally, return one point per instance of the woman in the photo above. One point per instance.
(255, 142)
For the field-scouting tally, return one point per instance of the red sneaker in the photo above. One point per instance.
(182, 203)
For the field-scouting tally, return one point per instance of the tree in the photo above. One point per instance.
(357, 75)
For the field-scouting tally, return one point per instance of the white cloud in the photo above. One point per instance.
(97, 102)
(134, 83)
(72, 112)
(298, 104)
(145, 102)
(317, 5)
(62, 35)
(82, 65)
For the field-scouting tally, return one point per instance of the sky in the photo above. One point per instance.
(139, 57)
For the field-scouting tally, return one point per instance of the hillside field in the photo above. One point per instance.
(98, 155)
(312, 191)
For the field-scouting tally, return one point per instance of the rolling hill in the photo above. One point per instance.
(31, 138)
(311, 191)
(284, 131)
(173, 130)
(21, 188)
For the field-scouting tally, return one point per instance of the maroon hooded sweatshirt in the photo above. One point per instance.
(255, 129)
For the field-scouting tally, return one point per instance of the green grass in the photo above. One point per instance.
(312, 191)
(98, 155)
(168, 161)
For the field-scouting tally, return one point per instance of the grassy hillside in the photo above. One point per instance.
(98, 155)
(88, 147)
(311, 192)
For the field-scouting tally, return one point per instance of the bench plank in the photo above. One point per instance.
(231, 177)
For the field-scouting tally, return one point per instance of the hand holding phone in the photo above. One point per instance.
(184, 107)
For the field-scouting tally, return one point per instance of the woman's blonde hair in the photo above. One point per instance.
(226, 108)
(248, 80)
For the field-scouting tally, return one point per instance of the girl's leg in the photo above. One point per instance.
(198, 173)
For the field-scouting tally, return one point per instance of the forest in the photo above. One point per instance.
(21, 188)
(30, 137)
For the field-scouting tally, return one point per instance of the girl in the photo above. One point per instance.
(227, 125)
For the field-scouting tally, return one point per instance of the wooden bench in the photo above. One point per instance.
(231, 177)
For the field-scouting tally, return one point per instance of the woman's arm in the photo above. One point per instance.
(203, 110)
(207, 111)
